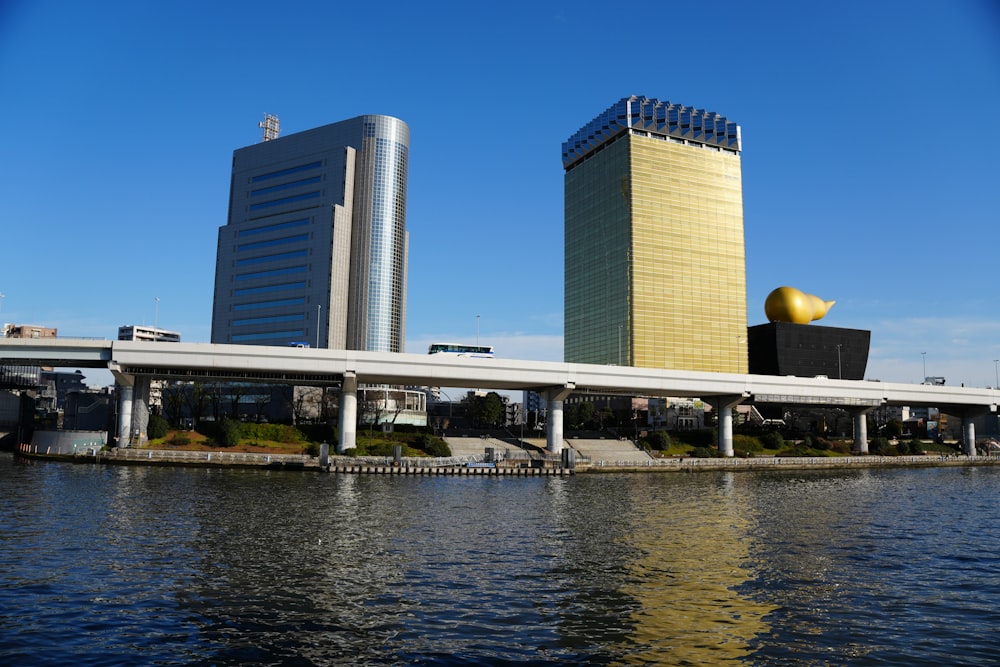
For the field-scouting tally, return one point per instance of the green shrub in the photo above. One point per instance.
(157, 427)
(704, 453)
(431, 445)
(228, 433)
(318, 432)
(878, 446)
(746, 443)
(658, 440)
(272, 432)
(772, 440)
(376, 449)
(704, 437)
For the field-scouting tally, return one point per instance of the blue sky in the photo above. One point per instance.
(870, 167)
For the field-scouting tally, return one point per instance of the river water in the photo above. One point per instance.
(111, 565)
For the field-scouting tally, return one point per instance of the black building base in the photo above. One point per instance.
(806, 350)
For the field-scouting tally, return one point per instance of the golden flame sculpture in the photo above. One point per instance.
(787, 304)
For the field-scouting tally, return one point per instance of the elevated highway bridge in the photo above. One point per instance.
(135, 363)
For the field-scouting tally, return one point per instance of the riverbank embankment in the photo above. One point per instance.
(476, 466)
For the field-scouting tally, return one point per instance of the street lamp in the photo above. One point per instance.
(840, 370)
(996, 383)
(924, 356)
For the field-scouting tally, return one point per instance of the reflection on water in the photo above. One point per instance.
(693, 542)
(230, 567)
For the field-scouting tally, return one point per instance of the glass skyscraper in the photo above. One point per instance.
(315, 249)
(655, 273)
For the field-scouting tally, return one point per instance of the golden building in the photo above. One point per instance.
(655, 265)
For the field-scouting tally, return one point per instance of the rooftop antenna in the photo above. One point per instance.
(270, 125)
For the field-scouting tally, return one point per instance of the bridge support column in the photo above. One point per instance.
(348, 426)
(554, 422)
(861, 430)
(968, 434)
(140, 411)
(724, 405)
(124, 384)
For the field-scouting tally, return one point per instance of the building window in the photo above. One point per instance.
(272, 273)
(286, 172)
(284, 186)
(284, 200)
(269, 320)
(273, 228)
(277, 303)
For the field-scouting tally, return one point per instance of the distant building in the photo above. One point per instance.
(151, 334)
(315, 248)
(655, 270)
(28, 331)
(56, 385)
(677, 414)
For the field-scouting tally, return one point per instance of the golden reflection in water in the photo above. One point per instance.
(693, 558)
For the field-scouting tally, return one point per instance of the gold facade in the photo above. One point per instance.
(655, 264)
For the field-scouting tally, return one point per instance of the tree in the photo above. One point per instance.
(659, 440)
(229, 432)
(236, 391)
(484, 411)
(586, 413)
(893, 429)
(196, 400)
(571, 415)
(173, 403)
(157, 427)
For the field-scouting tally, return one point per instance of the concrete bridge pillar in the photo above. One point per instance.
(969, 434)
(140, 410)
(124, 385)
(348, 426)
(861, 429)
(724, 406)
(133, 407)
(554, 423)
(969, 414)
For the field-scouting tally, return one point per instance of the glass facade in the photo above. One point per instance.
(655, 264)
(319, 218)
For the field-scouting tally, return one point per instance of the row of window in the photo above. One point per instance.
(284, 240)
(278, 226)
(285, 200)
(272, 273)
(277, 303)
(246, 291)
(269, 335)
(294, 317)
(285, 186)
(286, 172)
(272, 258)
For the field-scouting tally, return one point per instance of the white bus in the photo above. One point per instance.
(460, 350)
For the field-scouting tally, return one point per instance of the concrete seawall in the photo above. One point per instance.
(456, 467)
(378, 465)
